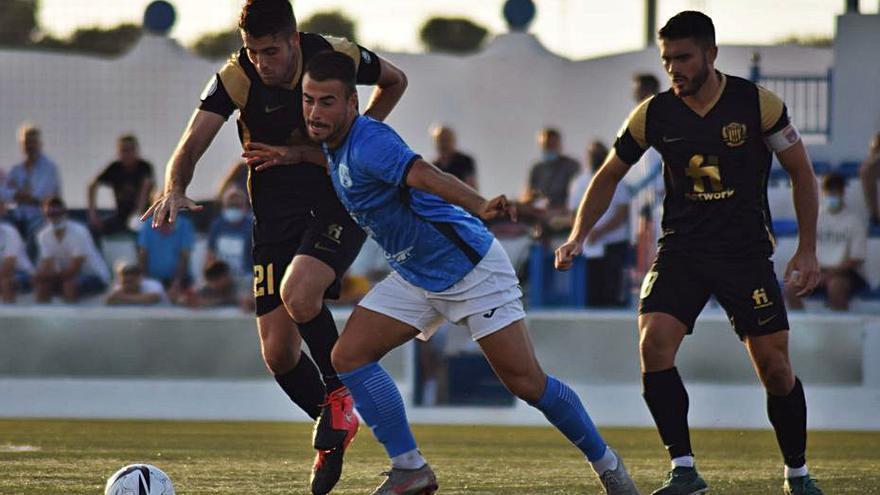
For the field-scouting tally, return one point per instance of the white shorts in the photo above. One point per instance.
(486, 300)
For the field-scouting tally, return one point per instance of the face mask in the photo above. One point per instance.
(832, 203)
(233, 215)
(549, 156)
(58, 225)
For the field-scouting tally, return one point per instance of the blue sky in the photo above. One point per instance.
(573, 28)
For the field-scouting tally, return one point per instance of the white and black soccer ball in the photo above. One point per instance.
(139, 479)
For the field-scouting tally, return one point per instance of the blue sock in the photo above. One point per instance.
(379, 402)
(564, 410)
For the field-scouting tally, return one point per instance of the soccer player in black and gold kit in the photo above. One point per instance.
(304, 240)
(716, 134)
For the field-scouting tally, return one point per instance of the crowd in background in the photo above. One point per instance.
(51, 252)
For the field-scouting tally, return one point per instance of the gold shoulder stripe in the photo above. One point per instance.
(771, 108)
(346, 47)
(236, 82)
(636, 123)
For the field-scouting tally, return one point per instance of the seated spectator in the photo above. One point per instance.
(132, 289)
(16, 268)
(230, 236)
(32, 181)
(131, 179)
(841, 247)
(164, 253)
(218, 289)
(870, 174)
(449, 159)
(70, 264)
(607, 245)
(549, 179)
(236, 177)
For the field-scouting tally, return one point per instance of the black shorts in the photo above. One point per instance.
(333, 238)
(746, 288)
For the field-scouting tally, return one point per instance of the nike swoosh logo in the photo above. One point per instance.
(272, 109)
(765, 321)
(672, 139)
(490, 313)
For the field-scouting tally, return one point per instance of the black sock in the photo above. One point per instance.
(303, 385)
(320, 334)
(788, 415)
(668, 402)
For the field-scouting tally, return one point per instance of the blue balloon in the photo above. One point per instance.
(159, 17)
(519, 14)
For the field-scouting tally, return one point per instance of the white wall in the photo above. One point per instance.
(496, 99)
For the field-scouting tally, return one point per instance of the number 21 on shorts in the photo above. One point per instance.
(264, 280)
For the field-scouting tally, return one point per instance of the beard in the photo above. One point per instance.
(693, 86)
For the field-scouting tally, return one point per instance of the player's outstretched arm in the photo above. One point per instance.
(803, 269)
(591, 208)
(389, 89)
(199, 133)
(426, 177)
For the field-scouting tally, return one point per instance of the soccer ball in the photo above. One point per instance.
(139, 479)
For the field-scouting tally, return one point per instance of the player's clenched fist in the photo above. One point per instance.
(496, 207)
(565, 255)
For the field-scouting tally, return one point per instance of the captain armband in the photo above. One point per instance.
(783, 139)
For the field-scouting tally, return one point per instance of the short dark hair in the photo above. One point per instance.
(129, 138)
(54, 202)
(833, 182)
(267, 18)
(216, 270)
(689, 24)
(647, 81)
(332, 65)
(551, 133)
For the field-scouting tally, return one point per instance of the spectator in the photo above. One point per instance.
(607, 246)
(841, 246)
(132, 181)
(449, 159)
(218, 289)
(236, 177)
(870, 174)
(131, 288)
(70, 264)
(549, 179)
(230, 236)
(647, 188)
(32, 181)
(164, 254)
(16, 268)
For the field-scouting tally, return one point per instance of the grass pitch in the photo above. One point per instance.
(55, 457)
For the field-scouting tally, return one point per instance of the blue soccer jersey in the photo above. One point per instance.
(431, 243)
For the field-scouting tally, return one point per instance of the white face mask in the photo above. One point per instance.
(833, 203)
(232, 215)
(58, 225)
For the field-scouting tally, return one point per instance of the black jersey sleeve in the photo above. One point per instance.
(774, 114)
(631, 142)
(365, 61)
(215, 99)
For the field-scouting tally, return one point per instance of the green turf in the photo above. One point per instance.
(75, 457)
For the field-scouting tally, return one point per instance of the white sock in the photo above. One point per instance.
(683, 461)
(608, 462)
(796, 472)
(429, 393)
(408, 460)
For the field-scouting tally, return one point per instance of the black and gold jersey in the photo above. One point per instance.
(273, 115)
(715, 167)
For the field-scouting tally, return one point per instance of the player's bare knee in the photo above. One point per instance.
(279, 359)
(300, 303)
(655, 352)
(777, 377)
(344, 360)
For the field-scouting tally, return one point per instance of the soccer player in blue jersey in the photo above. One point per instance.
(447, 266)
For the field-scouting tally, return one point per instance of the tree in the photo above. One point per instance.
(18, 22)
(334, 23)
(454, 35)
(112, 41)
(218, 45)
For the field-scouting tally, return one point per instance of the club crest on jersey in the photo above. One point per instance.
(344, 176)
(734, 134)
